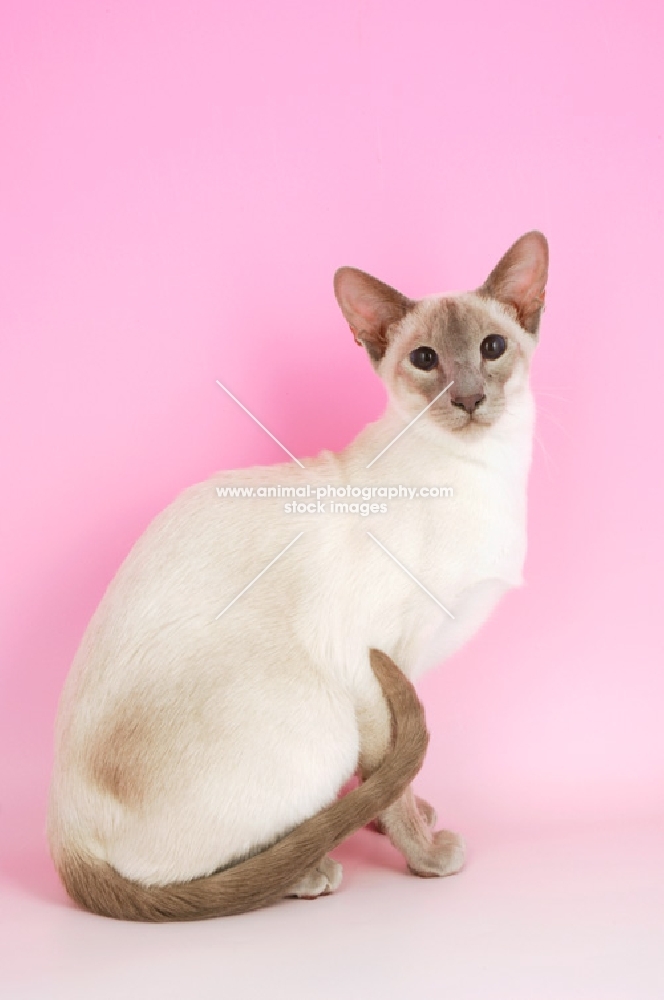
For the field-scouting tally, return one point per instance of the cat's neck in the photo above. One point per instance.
(425, 449)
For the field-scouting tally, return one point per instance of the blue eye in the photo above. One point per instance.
(424, 358)
(493, 346)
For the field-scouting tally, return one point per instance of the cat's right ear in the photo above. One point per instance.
(370, 308)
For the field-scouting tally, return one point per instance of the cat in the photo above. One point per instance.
(246, 661)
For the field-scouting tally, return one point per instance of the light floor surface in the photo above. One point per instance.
(573, 915)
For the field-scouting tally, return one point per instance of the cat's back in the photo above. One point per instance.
(161, 607)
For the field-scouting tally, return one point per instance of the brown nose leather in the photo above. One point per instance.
(468, 403)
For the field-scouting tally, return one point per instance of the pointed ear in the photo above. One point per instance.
(519, 279)
(369, 307)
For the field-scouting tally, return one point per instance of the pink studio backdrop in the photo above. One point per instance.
(178, 183)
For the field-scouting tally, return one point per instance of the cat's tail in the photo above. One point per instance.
(266, 877)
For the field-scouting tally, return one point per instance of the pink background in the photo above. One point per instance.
(178, 183)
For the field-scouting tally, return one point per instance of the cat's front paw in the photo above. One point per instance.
(320, 880)
(445, 855)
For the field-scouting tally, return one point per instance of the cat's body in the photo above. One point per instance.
(188, 742)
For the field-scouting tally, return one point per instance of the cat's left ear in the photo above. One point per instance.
(370, 308)
(519, 279)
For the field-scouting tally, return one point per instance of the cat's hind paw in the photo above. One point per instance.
(321, 880)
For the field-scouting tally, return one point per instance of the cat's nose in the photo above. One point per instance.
(468, 403)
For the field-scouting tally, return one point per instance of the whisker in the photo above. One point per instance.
(554, 420)
(550, 395)
(548, 460)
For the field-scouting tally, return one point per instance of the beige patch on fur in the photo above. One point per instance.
(118, 763)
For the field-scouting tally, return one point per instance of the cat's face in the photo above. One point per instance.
(462, 339)
(481, 341)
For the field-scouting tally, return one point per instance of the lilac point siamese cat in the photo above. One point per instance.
(199, 755)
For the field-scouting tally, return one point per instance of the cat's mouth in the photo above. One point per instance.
(473, 421)
(461, 422)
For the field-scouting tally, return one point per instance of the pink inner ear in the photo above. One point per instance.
(526, 281)
(362, 313)
(358, 307)
(521, 275)
(519, 278)
(369, 307)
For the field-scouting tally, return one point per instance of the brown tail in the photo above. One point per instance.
(266, 877)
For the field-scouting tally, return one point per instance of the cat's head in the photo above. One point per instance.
(480, 341)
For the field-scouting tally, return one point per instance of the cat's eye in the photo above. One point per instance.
(493, 346)
(424, 358)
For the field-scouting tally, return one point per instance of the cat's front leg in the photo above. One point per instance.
(428, 852)
(426, 809)
(374, 728)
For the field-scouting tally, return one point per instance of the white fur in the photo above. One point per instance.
(259, 717)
